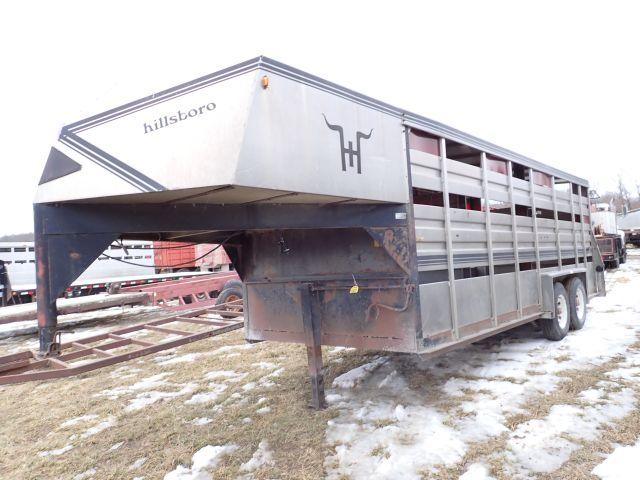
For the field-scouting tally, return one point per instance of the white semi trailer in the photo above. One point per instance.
(350, 221)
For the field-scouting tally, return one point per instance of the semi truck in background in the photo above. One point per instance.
(611, 240)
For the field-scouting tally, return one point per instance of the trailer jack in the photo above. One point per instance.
(312, 333)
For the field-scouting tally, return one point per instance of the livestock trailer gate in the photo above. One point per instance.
(351, 222)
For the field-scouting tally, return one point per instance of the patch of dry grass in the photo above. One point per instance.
(163, 433)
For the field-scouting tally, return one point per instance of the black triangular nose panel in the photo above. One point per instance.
(58, 165)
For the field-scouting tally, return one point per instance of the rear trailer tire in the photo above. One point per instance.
(229, 295)
(557, 328)
(577, 303)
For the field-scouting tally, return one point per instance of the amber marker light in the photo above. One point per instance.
(265, 82)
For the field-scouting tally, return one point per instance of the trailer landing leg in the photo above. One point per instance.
(47, 309)
(311, 325)
(60, 259)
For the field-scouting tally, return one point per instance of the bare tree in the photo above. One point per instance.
(624, 196)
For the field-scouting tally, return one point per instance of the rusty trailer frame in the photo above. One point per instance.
(29, 365)
(200, 291)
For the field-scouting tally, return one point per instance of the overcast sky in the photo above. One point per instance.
(556, 81)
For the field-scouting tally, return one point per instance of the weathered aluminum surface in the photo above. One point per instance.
(160, 148)
(491, 247)
(229, 140)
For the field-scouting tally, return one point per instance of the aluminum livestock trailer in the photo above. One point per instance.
(350, 221)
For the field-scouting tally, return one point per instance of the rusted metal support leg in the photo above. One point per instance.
(311, 325)
(47, 309)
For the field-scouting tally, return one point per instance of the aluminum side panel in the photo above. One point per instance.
(303, 139)
(187, 141)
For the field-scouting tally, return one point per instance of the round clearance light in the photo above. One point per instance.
(265, 82)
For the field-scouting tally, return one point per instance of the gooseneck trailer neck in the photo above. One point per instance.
(351, 222)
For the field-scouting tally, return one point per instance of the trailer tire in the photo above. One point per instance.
(234, 282)
(577, 303)
(557, 328)
(229, 295)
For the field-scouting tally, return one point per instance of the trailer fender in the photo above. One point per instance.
(548, 279)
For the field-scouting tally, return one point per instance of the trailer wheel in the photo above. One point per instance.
(577, 303)
(229, 295)
(557, 328)
(234, 282)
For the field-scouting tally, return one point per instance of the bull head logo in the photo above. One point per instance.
(347, 150)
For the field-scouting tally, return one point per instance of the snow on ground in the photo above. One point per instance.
(138, 463)
(206, 458)
(201, 421)
(622, 464)
(56, 452)
(265, 365)
(207, 397)
(76, 420)
(224, 378)
(188, 357)
(262, 456)
(86, 474)
(107, 423)
(351, 378)
(476, 471)
(145, 399)
(145, 391)
(541, 445)
(228, 375)
(170, 357)
(385, 429)
(148, 383)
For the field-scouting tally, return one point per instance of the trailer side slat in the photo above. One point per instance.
(489, 235)
(514, 229)
(449, 241)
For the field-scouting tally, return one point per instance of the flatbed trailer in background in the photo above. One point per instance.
(122, 264)
(351, 222)
(106, 273)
